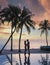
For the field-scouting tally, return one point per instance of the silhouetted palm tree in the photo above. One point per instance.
(44, 27)
(19, 18)
(11, 14)
(25, 20)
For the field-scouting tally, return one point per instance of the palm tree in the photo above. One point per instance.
(10, 14)
(25, 20)
(16, 11)
(44, 27)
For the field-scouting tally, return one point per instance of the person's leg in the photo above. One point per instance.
(25, 49)
(28, 49)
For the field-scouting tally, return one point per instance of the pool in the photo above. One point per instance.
(21, 59)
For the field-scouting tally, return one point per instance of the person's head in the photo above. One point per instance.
(24, 42)
(27, 40)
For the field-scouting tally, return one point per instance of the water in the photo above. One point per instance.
(33, 59)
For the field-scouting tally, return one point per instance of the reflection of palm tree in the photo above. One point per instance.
(10, 60)
(20, 59)
(44, 27)
(17, 63)
(10, 14)
(25, 19)
(44, 60)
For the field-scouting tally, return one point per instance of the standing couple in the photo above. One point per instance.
(27, 46)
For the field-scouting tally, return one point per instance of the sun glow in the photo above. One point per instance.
(5, 32)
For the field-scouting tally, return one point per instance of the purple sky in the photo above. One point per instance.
(41, 8)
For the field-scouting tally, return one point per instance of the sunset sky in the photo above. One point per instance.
(41, 9)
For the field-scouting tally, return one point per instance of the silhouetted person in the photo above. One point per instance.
(28, 45)
(25, 46)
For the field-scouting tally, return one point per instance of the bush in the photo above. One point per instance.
(45, 48)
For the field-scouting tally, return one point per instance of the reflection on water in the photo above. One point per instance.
(25, 59)
(20, 59)
(44, 60)
(4, 60)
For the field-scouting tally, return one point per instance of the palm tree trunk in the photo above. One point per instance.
(46, 59)
(7, 41)
(20, 38)
(11, 38)
(46, 38)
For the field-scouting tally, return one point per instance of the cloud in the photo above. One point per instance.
(41, 8)
(3, 3)
(4, 33)
(35, 6)
(46, 5)
(46, 14)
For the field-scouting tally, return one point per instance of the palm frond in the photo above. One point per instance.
(15, 23)
(42, 32)
(5, 10)
(15, 10)
(48, 28)
(28, 16)
(41, 28)
(20, 25)
(30, 24)
(25, 12)
(41, 23)
(28, 28)
(17, 29)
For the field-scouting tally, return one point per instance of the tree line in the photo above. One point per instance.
(19, 18)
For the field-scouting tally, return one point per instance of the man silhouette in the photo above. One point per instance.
(25, 45)
(28, 46)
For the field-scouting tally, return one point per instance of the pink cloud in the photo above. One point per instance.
(45, 4)
(46, 14)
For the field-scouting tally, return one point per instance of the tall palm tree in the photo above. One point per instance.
(25, 20)
(15, 11)
(44, 27)
(11, 14)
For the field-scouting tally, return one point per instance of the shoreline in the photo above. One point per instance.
(15, 51)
